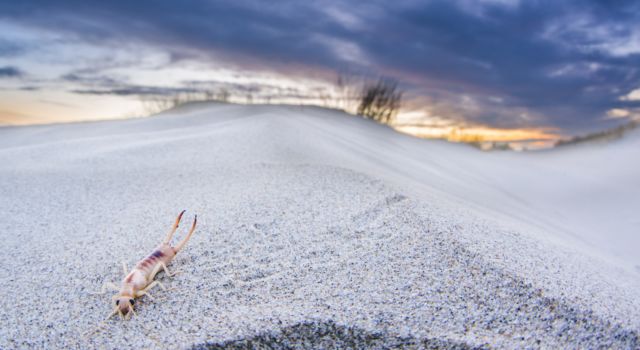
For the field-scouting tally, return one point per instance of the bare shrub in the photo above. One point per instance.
(380, 100)
(354, 93)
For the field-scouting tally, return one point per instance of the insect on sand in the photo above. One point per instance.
(139, 281)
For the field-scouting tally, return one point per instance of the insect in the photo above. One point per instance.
(139, 281)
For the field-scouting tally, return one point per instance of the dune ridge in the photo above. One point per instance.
(316, 228)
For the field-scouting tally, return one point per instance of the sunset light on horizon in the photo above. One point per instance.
(73, 61)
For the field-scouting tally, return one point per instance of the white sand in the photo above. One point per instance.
(316, 228)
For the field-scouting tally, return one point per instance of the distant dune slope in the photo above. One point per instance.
(317, 228)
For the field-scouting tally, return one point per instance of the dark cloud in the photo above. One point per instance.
(202, 89)
(524, 63)
(10, 72)
(135, 91)
(92, 80)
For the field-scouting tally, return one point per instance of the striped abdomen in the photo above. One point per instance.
(163, 253)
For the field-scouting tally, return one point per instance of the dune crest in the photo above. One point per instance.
(317, 228)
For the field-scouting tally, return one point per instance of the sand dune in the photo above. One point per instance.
(317, 228)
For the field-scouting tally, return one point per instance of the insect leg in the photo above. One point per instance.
(153, 284)
(166, 271)
(146, 290)
(115, 310)
(157, 268)
(142, 292)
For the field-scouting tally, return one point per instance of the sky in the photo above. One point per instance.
(501, 68)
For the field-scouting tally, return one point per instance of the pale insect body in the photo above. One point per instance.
(139, 281)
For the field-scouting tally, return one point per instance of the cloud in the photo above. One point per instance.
(10, 72)
(135, 91)
(91, 80)
(631, 96)
(495, 62)
(236, 91)
(618, 113)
